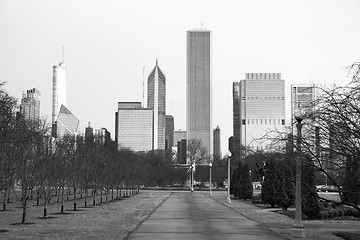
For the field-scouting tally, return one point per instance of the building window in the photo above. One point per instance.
(283, 121)
(243, 122)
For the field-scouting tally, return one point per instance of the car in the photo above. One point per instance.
(326, 188)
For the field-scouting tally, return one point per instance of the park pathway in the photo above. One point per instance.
(186, 215)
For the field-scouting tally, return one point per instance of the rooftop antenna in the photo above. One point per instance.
(143, 97)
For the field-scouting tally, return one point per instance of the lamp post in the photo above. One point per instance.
(299, 116)
(210, 165)
(192, 177)
(228, 188)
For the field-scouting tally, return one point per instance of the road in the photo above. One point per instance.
(186, 215)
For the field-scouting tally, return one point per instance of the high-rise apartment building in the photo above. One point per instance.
(134, 126)
(169, 132)
(259, 108)
(59, 89)
(302, 97)
(199, 88)
(217, 147)
(30, 104)
(156, 100)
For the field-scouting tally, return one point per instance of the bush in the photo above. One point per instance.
(283, 185)
(267, 190)
(243, 189)
(256, 199)
(323, 214)
(351, 186)
(310, 203)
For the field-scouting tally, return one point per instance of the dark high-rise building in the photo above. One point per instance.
(169, 132)
(156, 91)
(181, 151)
(89, 134)
(199, 88)
(217, 147)
(236, 121)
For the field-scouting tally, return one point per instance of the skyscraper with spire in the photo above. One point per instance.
(58, 92)
(156, 100)
(199, 88)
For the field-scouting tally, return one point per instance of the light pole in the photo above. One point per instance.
(210, 165)
(228, 183)
(192, 176)
(298, 224)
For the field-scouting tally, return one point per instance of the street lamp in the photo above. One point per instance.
(210, 165)
(299, 116)
(228, 183)
(192, 176)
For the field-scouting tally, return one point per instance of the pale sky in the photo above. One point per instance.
(108, 42)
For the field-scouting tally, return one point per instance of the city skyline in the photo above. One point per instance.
(307, 41)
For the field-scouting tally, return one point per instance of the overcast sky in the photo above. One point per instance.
(107, 43)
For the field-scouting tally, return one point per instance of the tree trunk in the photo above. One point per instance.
(94, 197)
(5, 195)
(74, 198)
(24, 203)
(86, 193)
(112, 194)
(38, 198)
(45, 205)
(106, 197)
(101, 193)
(62, 200)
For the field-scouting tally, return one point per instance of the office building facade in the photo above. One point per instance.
(259, 102)
(199, 88)
(135, 127)
(156, 100)
(30, 104)
(169, 132)
(217, 145)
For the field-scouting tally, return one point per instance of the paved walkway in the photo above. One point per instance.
(186, 215)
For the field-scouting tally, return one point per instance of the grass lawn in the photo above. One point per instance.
(112, 220)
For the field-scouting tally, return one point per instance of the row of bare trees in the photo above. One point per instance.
(32, 161)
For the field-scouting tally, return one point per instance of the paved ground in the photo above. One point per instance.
(186, 215)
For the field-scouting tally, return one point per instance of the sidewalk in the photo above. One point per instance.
(313, 229)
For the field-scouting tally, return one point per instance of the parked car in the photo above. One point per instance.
(326, 188)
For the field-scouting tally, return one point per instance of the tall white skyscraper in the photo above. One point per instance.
(259, 107)
(59, 89)
(199, 88)
(156, 100)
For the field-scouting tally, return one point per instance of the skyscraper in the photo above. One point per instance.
(135, 127)
(169, 132)
(66, 123)
(302, 97)
(199, 88)
(59, 89)
(217, 147)
(260, 102)
(156, 100)
(30, 104)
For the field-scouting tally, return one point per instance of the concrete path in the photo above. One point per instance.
(186, 215)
